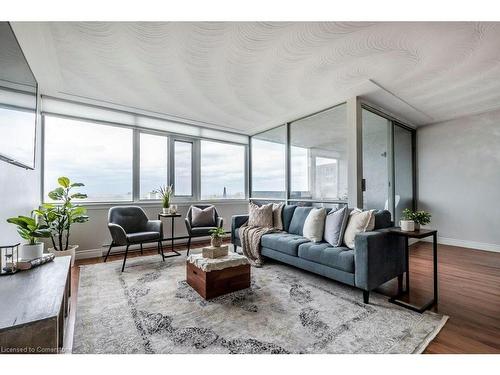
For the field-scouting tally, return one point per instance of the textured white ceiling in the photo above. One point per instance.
(253, 76)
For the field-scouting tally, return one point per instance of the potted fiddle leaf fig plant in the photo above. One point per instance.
(30, 229)
(165, 192)
(216, 236)
(60, 216)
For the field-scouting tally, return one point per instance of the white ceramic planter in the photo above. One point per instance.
(31, 251)
(166, 211)
(407, 225)
(71, 251)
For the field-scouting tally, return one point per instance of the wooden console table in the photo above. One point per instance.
(35, 305)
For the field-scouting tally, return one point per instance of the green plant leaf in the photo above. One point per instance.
(77, 184)
(79, 196)
(63, 181)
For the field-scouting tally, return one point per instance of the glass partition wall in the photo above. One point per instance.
(305, 162)
(388, 164)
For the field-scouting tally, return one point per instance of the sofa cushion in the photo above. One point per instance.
(314, 225)
(382, 219)
(283, 242)
(335, 224)
(341, 258)
(287, 214)
(203, 217)
(298, 219)
(260, 216)
(359, 221)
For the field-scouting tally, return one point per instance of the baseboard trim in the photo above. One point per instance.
(97, 253)
(468, 244)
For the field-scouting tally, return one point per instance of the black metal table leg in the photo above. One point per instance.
(435, 260)
(407, 254)
(172, 228)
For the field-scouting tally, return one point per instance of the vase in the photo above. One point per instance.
(29, 252)
(407, 225)
(216, 242)
(166, 210)
(62, 253)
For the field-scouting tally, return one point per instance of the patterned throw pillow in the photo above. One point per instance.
(335, 225)
(277, 219)
(260, 216)
(203, 217)
(359, 221)
(314, 225)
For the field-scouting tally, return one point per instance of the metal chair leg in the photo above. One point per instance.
(160, 249)
(366, 296)
(125, 259)
(189, 245)
(107, 254)
(141, 250)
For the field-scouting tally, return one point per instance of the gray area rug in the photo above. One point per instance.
(149, 308)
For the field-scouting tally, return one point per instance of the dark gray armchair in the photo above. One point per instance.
(129, 225)
(201, 231)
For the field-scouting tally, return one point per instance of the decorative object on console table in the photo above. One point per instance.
(30, 229)
(165, 192)
(214, 277)
(9, 257)
(172, 229)
(24, 265)
(61, 216)
(417, 235)
(212, 252)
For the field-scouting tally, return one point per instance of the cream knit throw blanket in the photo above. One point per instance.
(250, 242)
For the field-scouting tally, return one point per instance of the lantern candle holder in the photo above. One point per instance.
(9, 257)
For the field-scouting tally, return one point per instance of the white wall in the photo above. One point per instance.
(19, 194)
(93, 236)
(459, 179)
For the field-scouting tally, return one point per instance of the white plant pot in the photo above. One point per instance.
(71, 252)
(407, 225)
(29, 252)
(166, 211)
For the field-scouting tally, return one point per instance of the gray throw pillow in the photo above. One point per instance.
(260, 216)
(335, 224)
(203, 217)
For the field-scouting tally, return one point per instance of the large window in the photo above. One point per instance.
(183, 169)
(153, 164)
(97, 155)
(268, 164)
(222, 170)
(318, 156)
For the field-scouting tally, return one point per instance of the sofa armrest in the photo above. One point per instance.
(378, 258)
(236, 222)
(188, 225)
(155, 226)
(118, 234)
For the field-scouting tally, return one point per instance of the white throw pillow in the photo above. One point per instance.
(314, 225)
(359, 221)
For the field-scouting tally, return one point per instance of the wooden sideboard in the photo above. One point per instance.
(34, 306)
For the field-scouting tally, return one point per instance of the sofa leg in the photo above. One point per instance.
(189, 245)
(366, 296)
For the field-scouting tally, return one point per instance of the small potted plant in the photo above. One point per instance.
(421, 218)
(30, 229)
(216, 236)
(165, 192)
(60, 216)
(406, 223)
(417, 217)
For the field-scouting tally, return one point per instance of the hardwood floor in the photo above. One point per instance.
(469, 287)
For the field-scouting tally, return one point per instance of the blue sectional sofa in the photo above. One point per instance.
(377, 256)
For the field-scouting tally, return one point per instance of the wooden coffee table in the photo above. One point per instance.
(214, 277)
